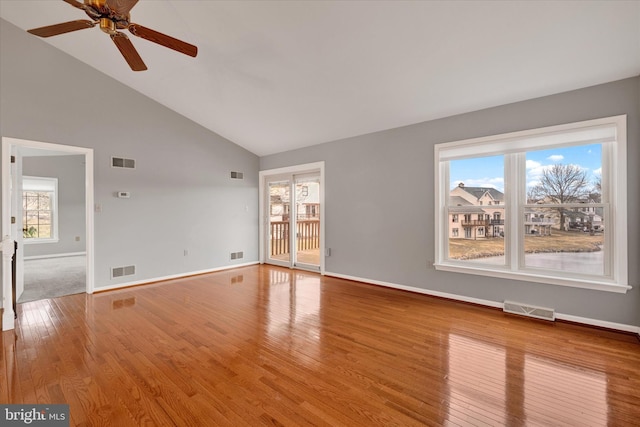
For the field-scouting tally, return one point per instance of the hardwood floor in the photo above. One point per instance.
(270, 346)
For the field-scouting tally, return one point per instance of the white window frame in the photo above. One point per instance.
(43, 184)
(610, 131)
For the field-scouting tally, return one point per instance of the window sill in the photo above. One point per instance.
(37, 241)
(600, 285)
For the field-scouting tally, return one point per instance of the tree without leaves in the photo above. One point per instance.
(596, 191)
(561, 184)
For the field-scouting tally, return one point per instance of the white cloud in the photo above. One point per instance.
(532, 183)
(598, 171)
(582, 168)
(532, 164)
(535, 171)
(556, 158)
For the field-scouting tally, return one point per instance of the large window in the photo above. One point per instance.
(545, 205)
(39, 209)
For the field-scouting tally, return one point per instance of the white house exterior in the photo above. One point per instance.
(475, 212)
(478, 213)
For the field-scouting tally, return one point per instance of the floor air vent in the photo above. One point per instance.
(129, 270)
(529, 310)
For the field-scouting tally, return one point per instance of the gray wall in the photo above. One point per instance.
(69, 170)
(380, 205)
(379, 198)
(182, 196)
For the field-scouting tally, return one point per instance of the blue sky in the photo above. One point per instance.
(489, 171)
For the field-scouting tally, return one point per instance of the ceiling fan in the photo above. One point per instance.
(113, 15)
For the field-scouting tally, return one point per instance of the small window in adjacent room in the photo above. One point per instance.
(39, 209)
(544, 205)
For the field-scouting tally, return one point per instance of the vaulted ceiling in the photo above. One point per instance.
(273, 76)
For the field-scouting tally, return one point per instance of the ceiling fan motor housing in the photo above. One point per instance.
(99, 10)
(107, 25)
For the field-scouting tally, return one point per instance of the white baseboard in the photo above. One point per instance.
(598, 323)
(173, 276)
(495, 304)
(27, 258)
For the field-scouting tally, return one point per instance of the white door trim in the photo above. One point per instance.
(7, 145)
(263, 203)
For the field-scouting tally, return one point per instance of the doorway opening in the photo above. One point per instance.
(292, 217)
(47, 209)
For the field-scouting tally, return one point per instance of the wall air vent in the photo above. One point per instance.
(529, 310)
(120, 162)
(237, 255)
(237, 175)
(128, 270)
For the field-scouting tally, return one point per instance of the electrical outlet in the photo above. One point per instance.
(186, 252)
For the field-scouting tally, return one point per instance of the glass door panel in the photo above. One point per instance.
(292, 234)
(279, 250)
(307, 221)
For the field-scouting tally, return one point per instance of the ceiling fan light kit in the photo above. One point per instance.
(111, 16)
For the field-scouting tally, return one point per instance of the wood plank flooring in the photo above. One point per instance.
(265, 345)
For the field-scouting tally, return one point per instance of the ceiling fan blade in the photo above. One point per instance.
(163, 39)
(75, 3)
(65, 27)
(129, 52)
(121, 7)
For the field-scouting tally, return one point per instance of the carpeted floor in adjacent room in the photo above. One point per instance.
(53, 277)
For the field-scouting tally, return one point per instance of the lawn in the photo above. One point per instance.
(559, 241)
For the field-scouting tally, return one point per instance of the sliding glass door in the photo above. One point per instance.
(307, 221)
(293, 233)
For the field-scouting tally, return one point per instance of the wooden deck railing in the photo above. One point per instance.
(475, 222)
(307, 236)
(482, 222)
(279, 237)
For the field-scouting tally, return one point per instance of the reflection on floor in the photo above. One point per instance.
(53, 277)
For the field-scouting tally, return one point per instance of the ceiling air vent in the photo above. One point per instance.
(529, 310)
(120, 162)
(129, 270)
(237, 175)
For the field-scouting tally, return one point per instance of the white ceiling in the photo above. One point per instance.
(275, 76)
